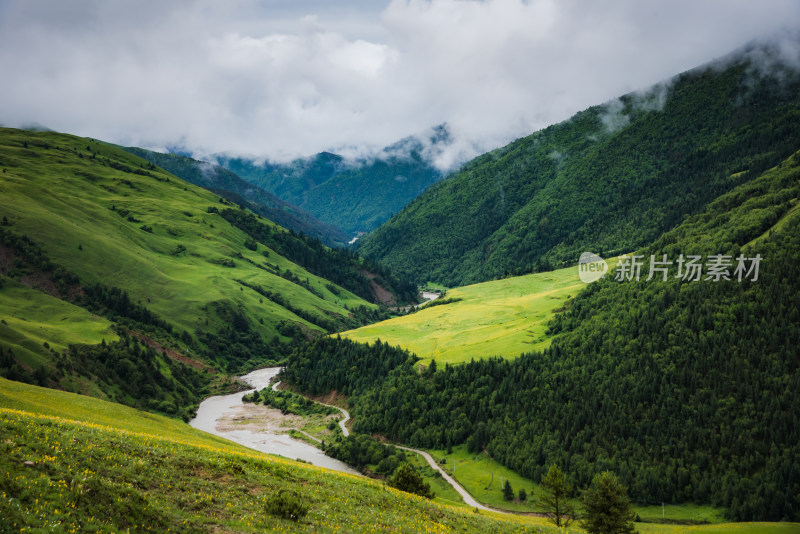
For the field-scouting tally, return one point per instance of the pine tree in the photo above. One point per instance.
(555, 502)
(508, 492)
(607, 506)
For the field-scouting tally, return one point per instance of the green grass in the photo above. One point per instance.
(442, 489)
(33, 318)
(691, 512)
(722, 528)
(481, 476)
(54, 192)
(500, 318)
(98, 466)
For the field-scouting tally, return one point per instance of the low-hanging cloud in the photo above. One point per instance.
(282, 79)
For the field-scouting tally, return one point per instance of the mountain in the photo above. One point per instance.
(686, 388)
(227, 184)
(355, 195)
(610, 179)
(123, 281)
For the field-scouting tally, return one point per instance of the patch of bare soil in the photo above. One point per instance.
(381, 293)
(258, 418)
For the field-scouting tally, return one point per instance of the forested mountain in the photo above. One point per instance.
(687, 389)
(355, 195)
(123, 281)
(610, 179)
(227, 184)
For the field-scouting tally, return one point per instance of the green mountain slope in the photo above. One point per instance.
(224, 182)
(355, 195)
(190, 282)
(687, 389)
(609, 180)
(97, 466)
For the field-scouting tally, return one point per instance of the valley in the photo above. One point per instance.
(184, 348)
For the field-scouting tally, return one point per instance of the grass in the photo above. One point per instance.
(32, 318)
(500, 318)
(691, 512)
(60, 190)
(99, 467)
(442, 489)
(482, 476)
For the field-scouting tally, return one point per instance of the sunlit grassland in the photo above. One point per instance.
(98, 466)
(62, 199)
(499, 318)
(32, 318)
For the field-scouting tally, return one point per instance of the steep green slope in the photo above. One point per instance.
(97, 466)
(610, 179)
(687, 389)
(189, 281)
(224, 182)
(355, 195)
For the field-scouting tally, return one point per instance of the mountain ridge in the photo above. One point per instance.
(353, 194)
(610, 179)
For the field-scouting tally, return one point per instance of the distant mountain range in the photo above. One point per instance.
(356, 195)
(610, 179)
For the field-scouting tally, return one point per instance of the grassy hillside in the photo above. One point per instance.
(226, 183)
(610, 179)
(96, 243)
(101, 466)
(500, 318)
(158, 242)
(355, 195)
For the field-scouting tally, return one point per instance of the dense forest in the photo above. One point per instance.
(341, 266)
(683, 388)
(611, 179)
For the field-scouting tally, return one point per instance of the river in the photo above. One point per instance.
(214, 409)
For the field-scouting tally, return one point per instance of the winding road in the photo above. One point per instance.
(450, 480)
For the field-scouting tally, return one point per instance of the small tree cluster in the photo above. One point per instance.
(406, 478)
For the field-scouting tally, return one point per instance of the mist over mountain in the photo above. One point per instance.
(355, 194)
(609, 179)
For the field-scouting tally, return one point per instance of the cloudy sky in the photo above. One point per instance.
(284, 78)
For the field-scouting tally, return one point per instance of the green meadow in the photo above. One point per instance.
(109, 217)
(499, 318)
(32, 321)
(94, 466)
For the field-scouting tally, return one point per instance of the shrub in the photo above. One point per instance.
(286, 504)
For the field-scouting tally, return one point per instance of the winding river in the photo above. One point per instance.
(213, 409)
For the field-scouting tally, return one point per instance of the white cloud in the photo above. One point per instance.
(282, 78)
